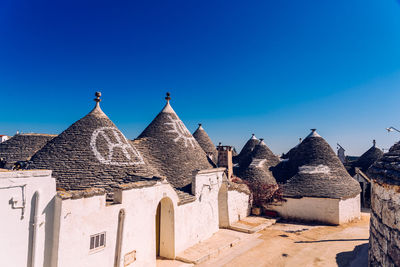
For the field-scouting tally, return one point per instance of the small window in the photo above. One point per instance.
(97, 241)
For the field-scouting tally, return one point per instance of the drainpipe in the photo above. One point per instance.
(34, 226)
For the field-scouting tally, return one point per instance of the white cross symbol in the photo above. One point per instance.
(127, 149)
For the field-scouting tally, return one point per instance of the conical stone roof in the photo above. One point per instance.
(205, 142)
(386, 169)
(249, 146)
(244, 157)
(258, 172)
(318, 172)
(262, 151)
(174, 151)
(259, 169)
(21, 147)
(368, 158)
(92, 152)
(291, 151)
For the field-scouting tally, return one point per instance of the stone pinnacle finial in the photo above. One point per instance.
(261, 139)
(199, 124)
(168, 97)
(300, 140)
(313, 130)
(374, 142)
(97, 99)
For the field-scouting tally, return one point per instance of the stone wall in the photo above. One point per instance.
(385, 225)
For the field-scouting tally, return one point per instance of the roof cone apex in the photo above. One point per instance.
(167, 108)
(313, 133)
(253, 136)
(96, 111)
(262, 143)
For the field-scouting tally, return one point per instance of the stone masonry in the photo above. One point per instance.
(385, 225)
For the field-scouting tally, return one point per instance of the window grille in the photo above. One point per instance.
(97, 241)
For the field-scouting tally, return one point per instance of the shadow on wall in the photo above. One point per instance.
(46, 220)
(31, 238)
(51, 240)
(356, 258)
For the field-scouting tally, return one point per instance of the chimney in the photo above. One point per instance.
(225, 159)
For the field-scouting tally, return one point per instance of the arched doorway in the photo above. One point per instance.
(165, 229)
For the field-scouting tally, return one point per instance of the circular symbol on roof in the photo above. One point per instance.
(111, 147)
(182, 132)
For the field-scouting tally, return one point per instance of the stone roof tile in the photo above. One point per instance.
(318, 172)
(171, 148)
(92, 152)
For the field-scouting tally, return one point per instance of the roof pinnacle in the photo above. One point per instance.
(97, 99)
(374, 142)
(168, 97)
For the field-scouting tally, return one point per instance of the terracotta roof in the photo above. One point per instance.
(205, 142)
(387, 168)
(92, 152)
(172, 149)
(21, 147)
(318, 172)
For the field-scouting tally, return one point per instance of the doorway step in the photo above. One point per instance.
(252, 224)
(221, 241)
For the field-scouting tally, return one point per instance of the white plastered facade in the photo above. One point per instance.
(191, 223)
(27, 213)
(325, 210)
(65, 225)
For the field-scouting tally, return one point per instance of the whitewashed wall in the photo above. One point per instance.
(83, 217)
(199, 220)
(238, 205)
(15, 231)
(309, 209)
(349, 209)
(325, 210)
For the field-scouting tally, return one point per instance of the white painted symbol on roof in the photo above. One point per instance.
(180, 129)
(114, 140)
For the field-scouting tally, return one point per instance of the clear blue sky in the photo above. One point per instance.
(275, 68)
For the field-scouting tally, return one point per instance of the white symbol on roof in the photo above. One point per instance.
(114, 140)
(180, 129)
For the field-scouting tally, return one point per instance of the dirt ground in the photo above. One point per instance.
(292, 244)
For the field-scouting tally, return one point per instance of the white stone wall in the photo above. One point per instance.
(384, 248)
(325, 210)
(238, 205)
(80, 218)
(16, 232)
(93, 216)
(349, 209)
